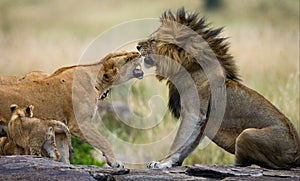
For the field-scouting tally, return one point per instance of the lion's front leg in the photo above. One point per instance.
(186, 140)
(194, 110)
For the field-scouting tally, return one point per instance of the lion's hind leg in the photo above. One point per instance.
(270, 147)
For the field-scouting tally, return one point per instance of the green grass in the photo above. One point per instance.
(83, 154)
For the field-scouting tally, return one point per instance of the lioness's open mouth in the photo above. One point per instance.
(138, 72)
(104, 94)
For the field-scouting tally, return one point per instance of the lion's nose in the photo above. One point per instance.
(138, 47)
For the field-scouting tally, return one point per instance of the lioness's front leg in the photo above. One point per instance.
(95, 139)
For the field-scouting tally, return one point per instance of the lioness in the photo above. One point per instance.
(31, 76)
(252, 128)
(70, 94)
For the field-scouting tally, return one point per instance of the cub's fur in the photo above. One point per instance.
(32, 134)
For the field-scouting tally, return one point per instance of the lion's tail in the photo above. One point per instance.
(60, 127)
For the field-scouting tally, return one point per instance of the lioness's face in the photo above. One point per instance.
(123, 67)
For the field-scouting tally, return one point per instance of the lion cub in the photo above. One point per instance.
(33, 134)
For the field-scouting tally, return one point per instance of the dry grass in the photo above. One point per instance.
(264, 36)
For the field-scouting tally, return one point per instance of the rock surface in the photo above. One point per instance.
(37, 168)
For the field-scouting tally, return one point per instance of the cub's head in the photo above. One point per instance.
(121, 67)
(21, 111)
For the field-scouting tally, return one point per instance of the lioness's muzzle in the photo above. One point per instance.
(138, 72)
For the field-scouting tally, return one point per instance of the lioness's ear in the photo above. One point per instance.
(13, 107)
(116, 70)
(29, 110)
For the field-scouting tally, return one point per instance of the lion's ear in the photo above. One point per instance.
(13, 107)
(29, 110)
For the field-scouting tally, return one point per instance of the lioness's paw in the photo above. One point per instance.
(159, 165)
(117, 164)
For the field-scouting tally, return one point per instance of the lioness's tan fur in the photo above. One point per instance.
(73, 89)
(252, 128)
(34, 75)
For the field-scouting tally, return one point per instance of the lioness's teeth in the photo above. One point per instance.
(104, 94)
(138, 67)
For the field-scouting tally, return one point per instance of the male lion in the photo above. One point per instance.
(33, 134)
(70, 95)
(252, 128)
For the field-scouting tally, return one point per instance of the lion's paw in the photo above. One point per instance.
(159, 165)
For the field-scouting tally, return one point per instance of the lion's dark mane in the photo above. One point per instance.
(211, 36)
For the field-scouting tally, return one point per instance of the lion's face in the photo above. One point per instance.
(148, 50)
(162, 52)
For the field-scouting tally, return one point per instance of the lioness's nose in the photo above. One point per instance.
(138, 47)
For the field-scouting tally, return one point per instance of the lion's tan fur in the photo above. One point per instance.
(252, 128)
(54, 97)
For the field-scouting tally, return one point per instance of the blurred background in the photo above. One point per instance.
(264, 37)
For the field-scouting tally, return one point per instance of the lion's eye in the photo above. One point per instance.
(152, 39)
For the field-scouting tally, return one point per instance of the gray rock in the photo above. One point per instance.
(38, 168)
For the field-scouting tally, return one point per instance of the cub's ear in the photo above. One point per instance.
(13, 107)
(29, 110)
